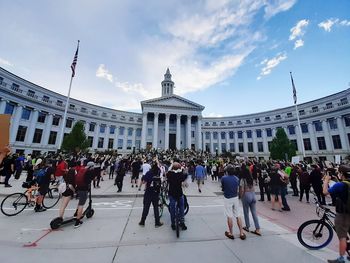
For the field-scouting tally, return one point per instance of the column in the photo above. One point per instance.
(265, 144)
(236, 141)
(188, 138)
(245, 143)
(178, 131)
(47, 129)
(2, 106)
(31, 128)
(133, 142)
(106, 137)
(203, 141)
(219, 142)
(15, 123)
(116, 135)
(144, 130)
(166, 141)
(299, 143)
(327, 136)
(227, 136)
(342, 134)
(125, 138)
(96, 135)
(211, 143)
(312, 137)
(155, 130)
(199, 133)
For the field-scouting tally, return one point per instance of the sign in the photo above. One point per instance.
(4, 130)
(295, 159)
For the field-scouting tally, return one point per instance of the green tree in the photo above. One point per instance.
(76, 140)
(281, 147)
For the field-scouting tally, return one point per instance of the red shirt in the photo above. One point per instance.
(61, 169)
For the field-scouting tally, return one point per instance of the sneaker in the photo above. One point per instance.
(39, 209)
(338, 260)
(173, 227)
(8, 185)
(183, 226)
(142, 223)
(159, 224)
(78, 223)
(285, 209)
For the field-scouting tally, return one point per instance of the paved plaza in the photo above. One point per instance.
(113, 233)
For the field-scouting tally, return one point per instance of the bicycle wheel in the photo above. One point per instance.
(315, 234)
(51, 198)
(14, 204)
(186, 205)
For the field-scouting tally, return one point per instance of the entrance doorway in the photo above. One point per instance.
(172, 141)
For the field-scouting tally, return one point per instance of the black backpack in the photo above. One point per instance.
(340, 206)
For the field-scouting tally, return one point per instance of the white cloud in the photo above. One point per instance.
(5, 62)
(298, 43)
(328, 24)
(270, 64)
(299, 29)
(213, 115)
(103, 73)
(345, 23)
(274, 7)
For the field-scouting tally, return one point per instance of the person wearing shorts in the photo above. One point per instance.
(135, 169)
(232, 207)
(68, 194)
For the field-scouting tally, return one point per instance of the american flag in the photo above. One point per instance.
(294, 90)
(75, 59)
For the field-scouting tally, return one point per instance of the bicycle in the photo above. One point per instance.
(15, 203)
(318, 233)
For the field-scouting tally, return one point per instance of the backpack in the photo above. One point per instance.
(40, 175)
(80, 177)
(340, 206)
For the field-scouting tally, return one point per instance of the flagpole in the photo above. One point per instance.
(68, 97)
(298, 119)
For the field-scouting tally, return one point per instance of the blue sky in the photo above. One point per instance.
(233, 57)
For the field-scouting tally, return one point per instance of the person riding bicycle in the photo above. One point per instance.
(175, 179)
(341, 191)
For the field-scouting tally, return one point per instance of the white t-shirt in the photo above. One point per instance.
(145, 168)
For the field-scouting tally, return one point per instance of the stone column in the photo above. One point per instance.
(188, 138)
(313, 139)
(211, 142)
(255, 144)
(133, 142)
(144, 130)
(327, 136)
(245, 143)
(342, 134)
(166, 141)
(31, 128)
(47, 129)
(106, 137)
(219, 142)
(299, 142)
(96, 136)
(116, 136)
(14, 123)
(265, 144)
(178, 131)
(236, 141)
(125, 138)
(199, 133)
(155, 130)
(2, 106)
(227, 136)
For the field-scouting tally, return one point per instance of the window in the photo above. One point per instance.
(291, 129)
(46, 98)
(250, 147)
(240, 147)
(192, 134)
(223, 135)
(258, 134)
(332, 123)
(329, 105)
(69, 123)
(307, 144)
(222, 123)
(321, 143)
(349, 137)
(247, 121)
(294, 142)
(239, 122)
(214, 124)
(71, 106)
(289, 115)
(111, 130)
(207, 147)
(240, 134)
(318, 126)
(260, 147)
(223, 147)
(120, 143)
(268, 132)
(302, 112)
(304, 128)
(26, 114)
(52, 137)
(110, 143)
(215, 145)
(31, 93)
(92, 127)
(343, 101)
(149, 132)
(128, 144)
(90, 140)
(100, 142)
(21, 133)
(130, 130)
(59, 103)
(314, 109)
(267, 119)
(138, 132)
(56, 120)
(347, 120)
(232, 147)
(249, 134)
(121, 130)
(37, 135)
(207, 135)
(102, 128)
(94, 112)
(138, 144)
(257, 120)
(215, 135)
(9, 108)
(41, 117)
(278, 117)
(336, 142)
(231, 135)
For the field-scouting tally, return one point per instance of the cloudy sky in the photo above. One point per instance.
(233, 57)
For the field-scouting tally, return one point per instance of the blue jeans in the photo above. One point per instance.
(283, 196)
(172, 207)
(249, 203)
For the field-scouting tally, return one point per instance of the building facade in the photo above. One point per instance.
(171, 122)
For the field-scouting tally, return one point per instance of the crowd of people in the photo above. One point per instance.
(239, 179)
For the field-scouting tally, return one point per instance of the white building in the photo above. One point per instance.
(170, 122)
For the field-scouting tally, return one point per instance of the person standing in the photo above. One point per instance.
(200, 173)
(229, 185)
(305, 186)
(135, 172)
(120, 175)
(263, 180)
(8, 169)
(293, 179)
(145, 168)
(316, 182)
(153, 184)
(19, 165)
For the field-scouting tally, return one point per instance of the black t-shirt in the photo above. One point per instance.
(136, 166)
(175, 183)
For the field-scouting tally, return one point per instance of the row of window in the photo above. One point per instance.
(239, 134)
(120, 143)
